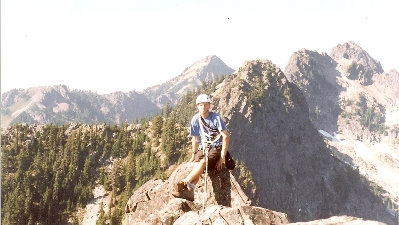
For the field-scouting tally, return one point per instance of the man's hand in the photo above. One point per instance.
(219, 164)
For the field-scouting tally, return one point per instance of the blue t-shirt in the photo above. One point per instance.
(214, 121)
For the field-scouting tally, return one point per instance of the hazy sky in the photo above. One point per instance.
(107, 46)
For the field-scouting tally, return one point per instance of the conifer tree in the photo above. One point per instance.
(168, 140)
(130, 178)
(101, 217)
(157, 124)
(166, 110)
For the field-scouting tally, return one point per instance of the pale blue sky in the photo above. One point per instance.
(107, 46)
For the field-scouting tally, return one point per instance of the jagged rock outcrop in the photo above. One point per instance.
(292, 167)
(57, 104)
(226, 203)
(359, 64)
(207, 69)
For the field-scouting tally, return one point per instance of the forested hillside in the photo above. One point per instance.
(49, 171)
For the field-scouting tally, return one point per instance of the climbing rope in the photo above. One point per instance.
(205, 195)
(206, 144)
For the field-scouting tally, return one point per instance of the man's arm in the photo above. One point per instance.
(225, 148)
(225, 144)
(194, 141)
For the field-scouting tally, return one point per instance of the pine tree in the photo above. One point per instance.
(130, 178)
(86, 169)
(101, 218)
(117, 178)
(157, 124)
(166, 110)
(168, 140)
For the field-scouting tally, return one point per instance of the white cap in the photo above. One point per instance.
(203, 98)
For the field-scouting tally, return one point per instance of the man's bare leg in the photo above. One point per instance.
(195, 174)
(185, 188)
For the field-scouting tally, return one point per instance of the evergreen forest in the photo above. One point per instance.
(49, 171)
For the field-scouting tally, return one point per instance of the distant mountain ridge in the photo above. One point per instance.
(57, 104)
(204, 70)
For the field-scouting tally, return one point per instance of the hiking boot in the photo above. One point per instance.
(181, 191)
(186, 194)
(180, 186)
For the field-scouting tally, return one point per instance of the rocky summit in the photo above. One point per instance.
(362, 66)
(226, 203)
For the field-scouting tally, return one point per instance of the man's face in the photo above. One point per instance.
(203, 107)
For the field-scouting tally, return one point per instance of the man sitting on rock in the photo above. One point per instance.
(208, 133)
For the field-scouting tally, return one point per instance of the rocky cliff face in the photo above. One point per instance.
(207, 69)
(293, 169)
(315, 74)
(57, 104)
(357, 104)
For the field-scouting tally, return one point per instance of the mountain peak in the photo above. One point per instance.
(206, 69)
(212, 58)
(352, 51)
(360, 65)
(206, 65)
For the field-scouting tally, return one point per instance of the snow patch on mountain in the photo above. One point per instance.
(329, 136)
